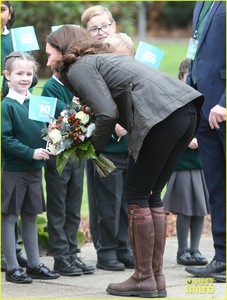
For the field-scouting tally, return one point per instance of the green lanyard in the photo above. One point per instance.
(203, 15)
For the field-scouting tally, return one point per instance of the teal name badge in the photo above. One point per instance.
(42, 108)
(24, 39)
(149, 54)
(192, 48)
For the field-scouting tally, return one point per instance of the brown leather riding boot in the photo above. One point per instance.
(159, 221)
(141, 232)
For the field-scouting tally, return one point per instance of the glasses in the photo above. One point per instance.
(104, 28)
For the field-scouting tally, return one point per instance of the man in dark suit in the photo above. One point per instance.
(208, 75)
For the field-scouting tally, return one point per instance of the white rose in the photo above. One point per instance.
(84, 118)
(55, 135)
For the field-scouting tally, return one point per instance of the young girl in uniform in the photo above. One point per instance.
(187, 196)
(23, 157)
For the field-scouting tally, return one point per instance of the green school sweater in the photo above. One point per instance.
(20, 137)
(53, 88)
(117, 146)
(189, 160)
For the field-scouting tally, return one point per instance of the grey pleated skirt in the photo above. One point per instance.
(22, 192)
(187, 193)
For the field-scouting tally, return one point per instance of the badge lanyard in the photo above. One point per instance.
(193, 42)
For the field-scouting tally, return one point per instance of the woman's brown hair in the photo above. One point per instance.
(74, 42)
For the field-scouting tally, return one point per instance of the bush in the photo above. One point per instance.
(178, 14)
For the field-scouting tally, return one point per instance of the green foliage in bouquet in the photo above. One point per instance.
(83, 150)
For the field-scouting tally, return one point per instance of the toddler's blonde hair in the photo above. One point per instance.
(121, 40)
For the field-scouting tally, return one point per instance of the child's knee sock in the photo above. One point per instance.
(196, 228)
(182, 226)
(8, 240)
(30, 239)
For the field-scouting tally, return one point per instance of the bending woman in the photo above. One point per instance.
(159, 113)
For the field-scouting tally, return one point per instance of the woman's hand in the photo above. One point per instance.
(120, 131)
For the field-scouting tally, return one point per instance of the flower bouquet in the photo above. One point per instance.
(68, 137)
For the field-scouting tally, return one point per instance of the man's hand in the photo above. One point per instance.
(217, 115)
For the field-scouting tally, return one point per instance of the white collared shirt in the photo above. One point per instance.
(18, 97)
(55, 77)
(5, 30)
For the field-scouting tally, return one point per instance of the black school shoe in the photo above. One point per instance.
(77, 262)
(185, 258)
(17, 275)
(41, 272)
(200, 260)
(110, 265)
(66, 268)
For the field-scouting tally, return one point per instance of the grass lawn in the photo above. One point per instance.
(174, 54)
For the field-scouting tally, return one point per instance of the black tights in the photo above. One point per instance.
(159, 154)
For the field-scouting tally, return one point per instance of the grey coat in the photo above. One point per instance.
(121, 90)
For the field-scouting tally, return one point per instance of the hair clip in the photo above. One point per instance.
(11, 56)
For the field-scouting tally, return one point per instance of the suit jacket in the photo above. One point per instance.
(121, 90)
(211, 57)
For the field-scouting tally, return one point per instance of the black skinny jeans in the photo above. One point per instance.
(159, 154)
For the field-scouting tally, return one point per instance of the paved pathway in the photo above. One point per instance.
(94, 285)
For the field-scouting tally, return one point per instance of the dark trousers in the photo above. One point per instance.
(108, 210)
(212, 147)
(64, 198)
(160, 152)
(93, 213)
